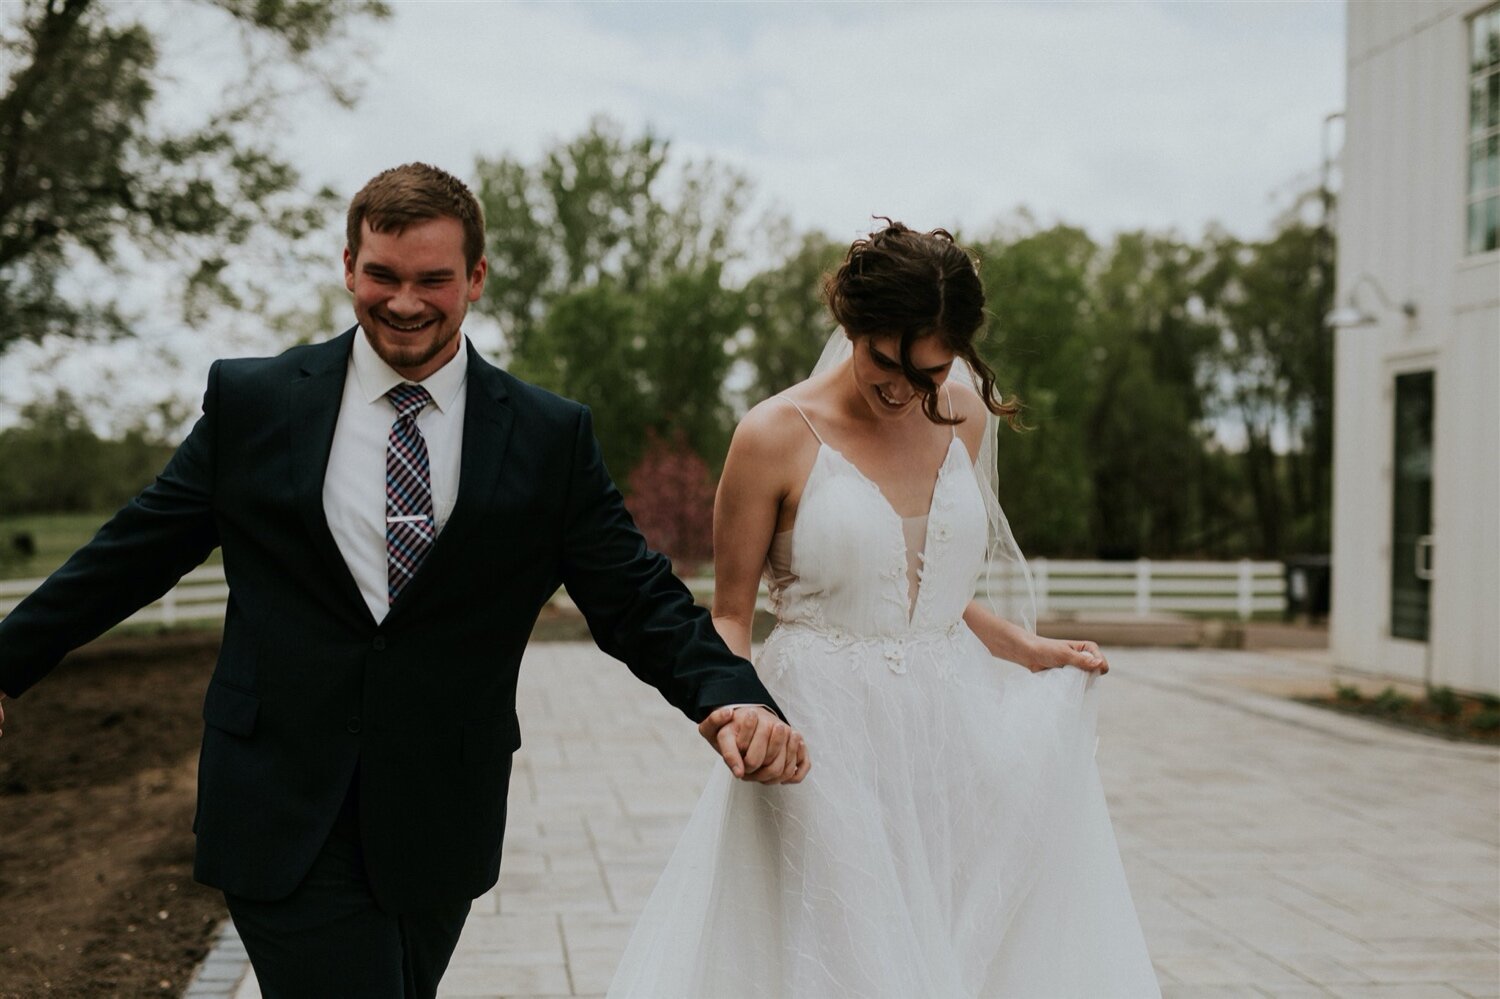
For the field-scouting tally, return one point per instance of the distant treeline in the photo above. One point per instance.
(1134, 358)
(623, 277)
(52, 462)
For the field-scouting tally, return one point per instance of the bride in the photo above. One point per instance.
(953, 839)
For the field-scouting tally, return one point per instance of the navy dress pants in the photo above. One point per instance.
(329, 939)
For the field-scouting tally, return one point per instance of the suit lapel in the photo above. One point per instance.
(486, 435)
(313, 408)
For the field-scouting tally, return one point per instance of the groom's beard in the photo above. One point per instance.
(407, 351)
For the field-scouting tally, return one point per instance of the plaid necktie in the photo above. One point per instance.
(409, 525)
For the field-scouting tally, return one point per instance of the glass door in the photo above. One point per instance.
(1411, 504)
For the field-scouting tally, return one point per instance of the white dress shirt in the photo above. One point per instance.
(354, 485)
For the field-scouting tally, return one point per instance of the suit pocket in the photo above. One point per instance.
(488, 738)
(231, 710)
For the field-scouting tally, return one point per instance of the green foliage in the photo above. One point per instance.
(1042, 344)
(1445, 702)
(1346, 693)
(613, 293)
(1486, 721)
(54, 462)
(786, 320)
(85, 164)
(1390, 702)
(1145, 417)
(1110, 350)
(1274, 373)
(1442, 711)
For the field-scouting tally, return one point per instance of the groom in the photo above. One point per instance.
(393, 512)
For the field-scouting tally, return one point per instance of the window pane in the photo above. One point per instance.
(1481, 30)
(1491, 40)
(1478, 107)
(1484, 224)
(1492, 163)
(1477, 166)
(1493, 118)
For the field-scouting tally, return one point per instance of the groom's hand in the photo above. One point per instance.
(756, 745)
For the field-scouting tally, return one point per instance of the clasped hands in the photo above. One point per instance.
(756, 745)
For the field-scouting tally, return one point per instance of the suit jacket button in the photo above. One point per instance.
(379, 644)
(353, 724)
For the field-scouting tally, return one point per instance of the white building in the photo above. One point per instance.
(1416, 507)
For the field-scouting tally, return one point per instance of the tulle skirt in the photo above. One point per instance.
(951, 841)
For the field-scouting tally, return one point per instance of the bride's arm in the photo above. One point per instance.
(745, 511)
(1004, 639)
(1007, 640)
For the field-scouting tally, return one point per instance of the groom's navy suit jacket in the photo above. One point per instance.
(309, 690)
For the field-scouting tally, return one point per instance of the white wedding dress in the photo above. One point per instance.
(952, 838)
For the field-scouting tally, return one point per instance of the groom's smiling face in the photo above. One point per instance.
(411, 291)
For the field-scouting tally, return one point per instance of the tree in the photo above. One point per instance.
(52, 462)
(1040, 342)
(1146, 420)
(610, 287)
(1276, 358)
(87, 165)
(786, 319)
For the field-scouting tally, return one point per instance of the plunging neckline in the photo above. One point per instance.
(937, 483)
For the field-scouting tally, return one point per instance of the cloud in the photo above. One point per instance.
(1113, 116)
(1110, 116)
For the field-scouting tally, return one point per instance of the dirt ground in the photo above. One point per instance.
(97, 778)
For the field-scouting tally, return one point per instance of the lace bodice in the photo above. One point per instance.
(847, 567)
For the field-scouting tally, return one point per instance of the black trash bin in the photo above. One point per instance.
(1307, 583)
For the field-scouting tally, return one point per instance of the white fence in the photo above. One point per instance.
(1145, 587)
(1140, 588)
(201, 595)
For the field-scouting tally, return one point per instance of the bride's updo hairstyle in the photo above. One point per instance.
(916, 284)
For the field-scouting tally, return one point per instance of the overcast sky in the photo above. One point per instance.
(1110, 116)
(1107, 115)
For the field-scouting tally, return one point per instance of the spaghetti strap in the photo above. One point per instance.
(948, 392)
(804, 419)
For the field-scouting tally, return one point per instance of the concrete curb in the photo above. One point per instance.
(1349, 728)
(223, 973)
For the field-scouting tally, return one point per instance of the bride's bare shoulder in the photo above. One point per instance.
(773, 431)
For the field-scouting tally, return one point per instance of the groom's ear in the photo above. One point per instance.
(476, 278)
(348, 269)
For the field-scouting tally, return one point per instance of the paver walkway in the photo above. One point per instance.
(1274, 849)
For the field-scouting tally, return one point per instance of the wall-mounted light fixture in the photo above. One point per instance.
(1353, 314)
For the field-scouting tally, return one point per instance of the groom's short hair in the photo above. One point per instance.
(415, 192)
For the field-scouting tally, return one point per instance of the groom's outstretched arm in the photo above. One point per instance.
(133, 559)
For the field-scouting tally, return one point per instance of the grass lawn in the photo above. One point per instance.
(55, 535)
